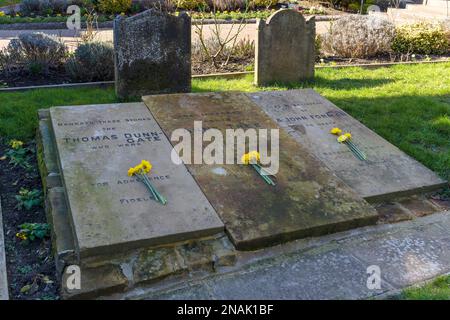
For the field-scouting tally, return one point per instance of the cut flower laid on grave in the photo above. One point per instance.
(347, 139)
(140, 172)
(252, 158)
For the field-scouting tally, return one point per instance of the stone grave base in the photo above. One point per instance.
(140, 272)
(106, 274)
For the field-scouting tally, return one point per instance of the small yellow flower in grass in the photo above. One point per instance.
(251, 157)
(336, 131)
(21, 236)
(16, 144)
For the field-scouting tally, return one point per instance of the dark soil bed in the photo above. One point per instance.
(206, 67)
(30, 265)
(24, 79)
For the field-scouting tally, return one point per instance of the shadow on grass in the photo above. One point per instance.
(342, 84)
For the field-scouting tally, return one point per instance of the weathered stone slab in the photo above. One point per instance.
(3, 277)
(407, 256)
(152, 54)
(62, 238)
(307, 200)
(110, 211)
(95, 282)
(285, 50)
(308, 117)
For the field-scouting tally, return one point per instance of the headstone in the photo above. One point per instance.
(308, 117)
(111, 212)
(152, 54)
(3, 277)
(285, 48)
(308, 200)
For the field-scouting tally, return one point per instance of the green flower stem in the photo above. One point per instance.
(156, 195)
(149, 187)
(356, 151)
(266, 177)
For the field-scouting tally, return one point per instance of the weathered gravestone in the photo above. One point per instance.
(152, 54)
(309, 117)
(109, 211)
(285, 50)
(308, 200)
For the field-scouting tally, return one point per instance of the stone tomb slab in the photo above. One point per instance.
(110, 211)
(308, 200)
(308, 117)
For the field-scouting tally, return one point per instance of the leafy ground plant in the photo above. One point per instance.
(19, 155)
(27, 199)
(33, 231)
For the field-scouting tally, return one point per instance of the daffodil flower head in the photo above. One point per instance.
(348, 135)
(336, 131)
(146, 166)
(251, 157)
(342, 138)
(16, 144)
(131, 172)
(143, 168)
(21, 236)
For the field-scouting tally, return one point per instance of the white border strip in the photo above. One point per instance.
(3, 276)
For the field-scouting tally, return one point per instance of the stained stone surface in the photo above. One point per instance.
(3, 277)
(110, 211)
(307, 199)
(407, 257)
(308, 117)
(152, 53)
(285, 50)
(334, 267)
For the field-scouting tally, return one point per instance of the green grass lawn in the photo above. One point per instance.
(408, 105)
(439, 289)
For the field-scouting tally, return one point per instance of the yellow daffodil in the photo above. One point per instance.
(348, 135)
(251, 157)
(336, 131)
(16, 144)
(146, 165)
(142, 168)
(131, 172)
(140, 171)
(342, 138)
(21, 236)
